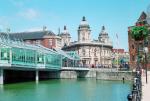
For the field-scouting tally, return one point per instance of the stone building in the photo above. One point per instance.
(132, 44)
(92, 52)
(65, 37)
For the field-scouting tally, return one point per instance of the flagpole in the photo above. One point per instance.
(102, 56)
(117, 52)
(117, 59)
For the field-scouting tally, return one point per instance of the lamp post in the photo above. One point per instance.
(138, 33)
(145, 52)
(146, 48)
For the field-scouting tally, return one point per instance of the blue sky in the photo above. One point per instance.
(115, 15)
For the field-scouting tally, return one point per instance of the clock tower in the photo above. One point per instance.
(84, 31)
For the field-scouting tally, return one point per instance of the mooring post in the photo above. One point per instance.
(37, 76)
(1, 76)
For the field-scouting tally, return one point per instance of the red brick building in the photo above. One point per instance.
(46, 38)
(133, 44)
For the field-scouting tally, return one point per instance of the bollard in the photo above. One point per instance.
(123, 79)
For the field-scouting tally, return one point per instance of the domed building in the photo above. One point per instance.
(65, 37)
(93, 53)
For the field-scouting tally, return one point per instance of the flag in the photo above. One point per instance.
(117, 36)
(117, 44)
(117, 41)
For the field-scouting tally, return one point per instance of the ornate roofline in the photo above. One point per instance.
(89, 44)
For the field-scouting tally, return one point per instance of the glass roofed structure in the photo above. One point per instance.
(69, 58)
(22, 55)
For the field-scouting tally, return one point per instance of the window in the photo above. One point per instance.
(50, 42)
(132, 46)
(83, 38)
(38, 42)
(89, 52)
(83, 52)
(103, 40)
(5, 54)
(133, 58)
(40, 58)
(59, 41)
(27, 41)
(144, 22)
(95, 52)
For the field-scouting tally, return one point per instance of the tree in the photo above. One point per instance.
(139, 32)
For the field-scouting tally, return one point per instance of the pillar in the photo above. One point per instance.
(37, 76)
(1, 76)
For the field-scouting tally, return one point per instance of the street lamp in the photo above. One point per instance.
(145, 52)
(146, 47)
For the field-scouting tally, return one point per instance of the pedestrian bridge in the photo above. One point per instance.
(22, 60)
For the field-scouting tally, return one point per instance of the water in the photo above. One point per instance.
(66, 90)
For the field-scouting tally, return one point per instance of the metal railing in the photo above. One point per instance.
(136, 94)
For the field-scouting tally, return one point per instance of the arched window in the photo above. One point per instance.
(95, 50)
(83, 36)
(89, 51)
(132, 46)
(133, 58)
(83, 52)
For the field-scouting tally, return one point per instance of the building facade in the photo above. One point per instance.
(92, 52)
(65, 37)
(45, 38)
(132, 43)
(120, 57)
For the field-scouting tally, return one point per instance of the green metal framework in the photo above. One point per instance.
(71, 62)
(19, 54)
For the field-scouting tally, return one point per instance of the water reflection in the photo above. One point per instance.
(66, 90)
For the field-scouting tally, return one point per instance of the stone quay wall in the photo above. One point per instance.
(120, 75)
(8, 76)
(103, 74)
(68, 74)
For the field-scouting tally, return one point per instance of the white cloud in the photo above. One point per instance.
(30, 14)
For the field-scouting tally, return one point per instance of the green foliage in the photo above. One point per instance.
(139, 32)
